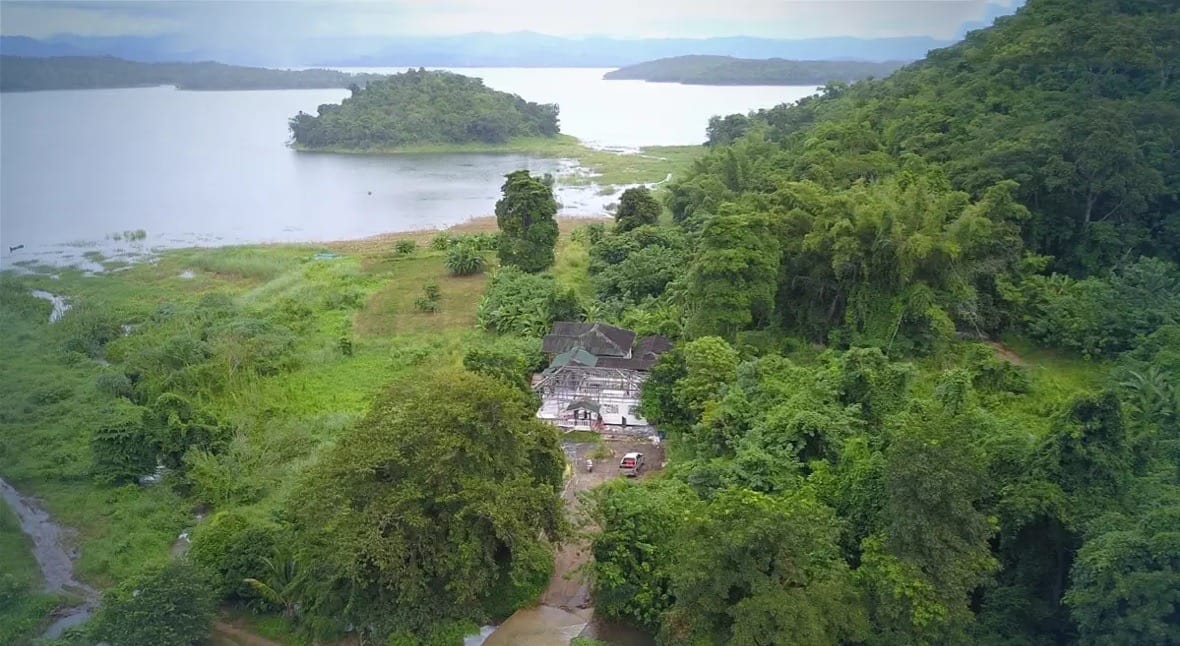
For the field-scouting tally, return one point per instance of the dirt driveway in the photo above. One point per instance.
(564, 608)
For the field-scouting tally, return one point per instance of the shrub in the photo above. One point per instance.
(256, 346)
(524, 304)
(170, 605)
(428, 300)
(1098, 316)
(121, 447)
(589, 234)
(15, 298)
(233, 547)
(510, 359)
(464, 260)
(423, 304)
(442, 241)
(234, 476)
(405, 247)
(115, 384)
(481, 241)
(87, 329)
(176, 426)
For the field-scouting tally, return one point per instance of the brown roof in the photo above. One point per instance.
(643, 358)
(599, 339)
(653, 345)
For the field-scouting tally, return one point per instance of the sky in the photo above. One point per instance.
(218, 20)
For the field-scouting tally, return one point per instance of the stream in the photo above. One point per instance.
(49, 550)
(59, 304)
(54, 560)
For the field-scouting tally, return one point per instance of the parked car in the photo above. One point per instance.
(631, 464)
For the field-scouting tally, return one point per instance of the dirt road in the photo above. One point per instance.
(564, 609)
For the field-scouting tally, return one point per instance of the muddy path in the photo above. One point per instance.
(54, 558)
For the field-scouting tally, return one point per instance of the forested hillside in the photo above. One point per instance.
(854, 458)
(727, 70)
(86, 73)
(1077, 103)
(421, 107)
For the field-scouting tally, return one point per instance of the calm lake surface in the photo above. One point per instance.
(212, 168)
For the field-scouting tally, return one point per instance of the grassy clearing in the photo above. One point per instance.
(390, 310)
(648, 166)
(582, 437)
(572, 268)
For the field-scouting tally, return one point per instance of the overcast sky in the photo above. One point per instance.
(230, 20)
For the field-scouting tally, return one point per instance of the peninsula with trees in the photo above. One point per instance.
(420, 110)
(27, 74)
(727, 70)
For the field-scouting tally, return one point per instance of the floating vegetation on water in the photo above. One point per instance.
(130, 236)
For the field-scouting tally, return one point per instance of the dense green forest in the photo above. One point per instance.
(925, 387)
(727, 70)
(847, 464)
(18, 73)
(421, 107)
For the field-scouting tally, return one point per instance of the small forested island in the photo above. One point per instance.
(420, 109)
(25, 74)
(727, 70)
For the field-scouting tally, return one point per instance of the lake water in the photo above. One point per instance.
(210, 168)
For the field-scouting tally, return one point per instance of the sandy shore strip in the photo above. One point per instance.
(481, 224)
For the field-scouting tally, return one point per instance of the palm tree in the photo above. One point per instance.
(284, 581)
(1151, 395)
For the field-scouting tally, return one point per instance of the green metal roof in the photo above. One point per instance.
(584, 404)
(574, 357)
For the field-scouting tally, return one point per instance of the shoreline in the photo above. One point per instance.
(44, 262)
(556, 146)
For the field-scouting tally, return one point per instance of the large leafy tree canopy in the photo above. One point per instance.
(637, 208)
(423, 107)
(170, 605)
(435, 506)
(528, 232)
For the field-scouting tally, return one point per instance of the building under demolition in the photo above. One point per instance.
(595, 375)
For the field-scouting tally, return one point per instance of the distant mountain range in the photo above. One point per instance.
(524, 49)
(30, 73)
(519, 49)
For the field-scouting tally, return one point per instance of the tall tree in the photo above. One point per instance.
(733, 279)
(528, 232)
(637, 208)
(1126, 582)
(754, 569)
(436, 505)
